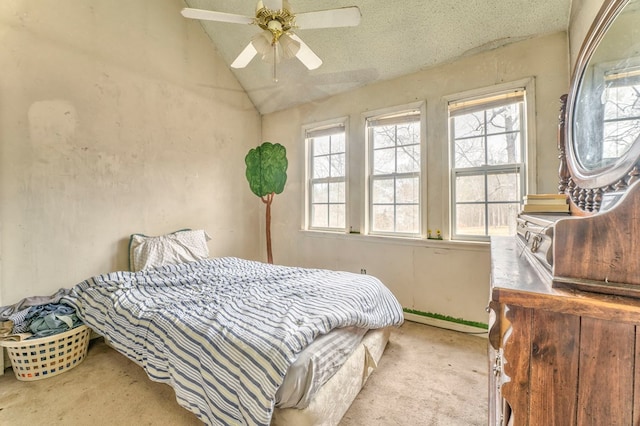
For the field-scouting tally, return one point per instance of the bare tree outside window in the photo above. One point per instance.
(487, 167)
(621, 117)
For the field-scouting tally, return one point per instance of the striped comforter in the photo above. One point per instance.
(223, 332)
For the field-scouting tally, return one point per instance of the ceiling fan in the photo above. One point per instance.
(277, 41)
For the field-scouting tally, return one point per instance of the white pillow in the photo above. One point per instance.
(178, 247)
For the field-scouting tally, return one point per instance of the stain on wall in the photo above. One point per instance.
(116, 117)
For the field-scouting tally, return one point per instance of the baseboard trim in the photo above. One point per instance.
(449, 325)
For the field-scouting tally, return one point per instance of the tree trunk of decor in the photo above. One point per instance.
(268, 201)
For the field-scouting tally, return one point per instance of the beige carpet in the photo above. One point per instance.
(427, 376)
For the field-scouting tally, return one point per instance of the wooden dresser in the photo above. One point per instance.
(565, 295)
(558, 357)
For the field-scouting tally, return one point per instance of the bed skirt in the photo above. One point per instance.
(334, 398)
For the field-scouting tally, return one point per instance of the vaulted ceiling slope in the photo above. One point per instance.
(394, 38)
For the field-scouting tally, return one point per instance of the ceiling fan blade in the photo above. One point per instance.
(272, 4)
(244, 57)
(342, 17)
(306, 55)
(211, 15)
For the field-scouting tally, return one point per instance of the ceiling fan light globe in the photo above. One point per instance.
(262, 42)
(288, 47)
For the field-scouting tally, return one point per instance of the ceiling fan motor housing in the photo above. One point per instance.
(277, 22)
(277, 40)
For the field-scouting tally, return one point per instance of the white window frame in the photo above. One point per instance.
(308, 131)
(525, 168)
(388, 114)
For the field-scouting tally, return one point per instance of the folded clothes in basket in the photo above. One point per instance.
(52, 318)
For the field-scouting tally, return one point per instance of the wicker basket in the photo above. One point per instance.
(37, 359)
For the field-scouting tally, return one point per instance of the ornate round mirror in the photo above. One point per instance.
(603, 126)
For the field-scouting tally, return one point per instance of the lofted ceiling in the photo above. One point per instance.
(394, 38)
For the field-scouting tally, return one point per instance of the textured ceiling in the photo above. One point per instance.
(394, 38)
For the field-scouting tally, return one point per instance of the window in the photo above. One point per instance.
(611, 111)
(487, 138)
(394, 173)
(326, 192)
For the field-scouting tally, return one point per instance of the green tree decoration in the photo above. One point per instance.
(267, 175)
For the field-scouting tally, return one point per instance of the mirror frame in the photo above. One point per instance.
(588, 190)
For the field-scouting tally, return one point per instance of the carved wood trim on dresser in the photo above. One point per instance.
(587, 200)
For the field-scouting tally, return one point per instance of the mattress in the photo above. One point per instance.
(333, 400)
(316, 364)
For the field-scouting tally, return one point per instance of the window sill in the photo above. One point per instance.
(402, 241)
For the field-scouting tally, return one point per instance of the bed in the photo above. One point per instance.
(228, 333)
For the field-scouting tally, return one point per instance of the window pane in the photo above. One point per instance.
(470, 219)
(382, 218)
(337, 165)
(503, 119)
(502, 218)
(384, 161)
(469, 153)
(469, 125)
(321, 146)
(408, 190)
(320, 167)
(470, 188)
(336, 192)
(319, 216)
(320, 193)
(382, 191)
(337, 143)
(408, 159)
(503, 187)
(408, 134)
(621, 108)
(384, 136)
(336, 215)
(407, 219)
(503, 148)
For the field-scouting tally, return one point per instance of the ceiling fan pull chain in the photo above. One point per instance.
(275, 62)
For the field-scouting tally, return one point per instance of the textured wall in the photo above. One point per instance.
(448, 278)
(115, 117)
